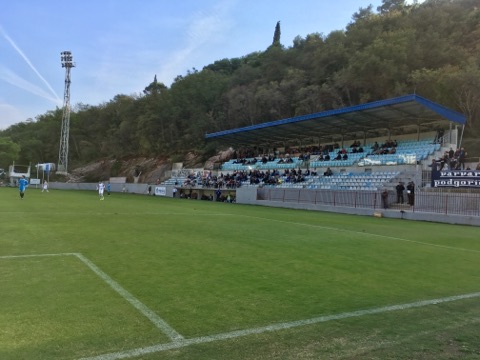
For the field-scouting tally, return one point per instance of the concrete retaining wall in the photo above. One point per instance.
(249, 196)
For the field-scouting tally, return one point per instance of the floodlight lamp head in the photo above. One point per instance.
(67, 59)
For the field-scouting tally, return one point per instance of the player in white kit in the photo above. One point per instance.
(101, 188)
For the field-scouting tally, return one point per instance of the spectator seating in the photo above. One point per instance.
(346, 181)
(174, 180)
(406, 152)
(253, 164)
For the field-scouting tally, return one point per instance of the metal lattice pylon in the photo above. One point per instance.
(67, 63)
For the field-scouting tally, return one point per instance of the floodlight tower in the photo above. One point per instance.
(67, 63)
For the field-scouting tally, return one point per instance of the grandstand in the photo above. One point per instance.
(368, 148)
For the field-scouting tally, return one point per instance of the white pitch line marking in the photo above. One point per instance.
(153, 317)
(362, 233)
(303, 224)
(180, 342)
(275, 327)
(34, 255)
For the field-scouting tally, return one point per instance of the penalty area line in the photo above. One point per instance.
(152, 316)
(137, 304)
(275, 327)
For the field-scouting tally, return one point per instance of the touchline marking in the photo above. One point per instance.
(363, 233)
(153, 317)
(274, 327)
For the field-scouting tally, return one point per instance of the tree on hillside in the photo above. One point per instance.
(276, 35)
(363, 13)
(431, 49)
(154, 87)
(390, 5)
(9, 152)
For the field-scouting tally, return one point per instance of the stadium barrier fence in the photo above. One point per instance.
(465, 204)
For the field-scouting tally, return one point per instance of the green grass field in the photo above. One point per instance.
(143, 277)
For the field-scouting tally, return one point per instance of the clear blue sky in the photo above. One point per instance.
(120, 45)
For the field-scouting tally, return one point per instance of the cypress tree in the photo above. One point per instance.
(276, 35)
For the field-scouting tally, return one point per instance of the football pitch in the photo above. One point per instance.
(145, 277)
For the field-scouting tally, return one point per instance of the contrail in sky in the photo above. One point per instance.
(28, 62)
(200, 32)
(15, 80)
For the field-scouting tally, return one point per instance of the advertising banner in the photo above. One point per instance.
(456, 179)
(160, 191)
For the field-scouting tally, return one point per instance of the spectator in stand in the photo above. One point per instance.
(411, 193)
(385, 199)
(452, 159)
(451, 153)
(434, 165)
(461, 159)
(478, 167)
(457, 153)
(444, 160)
(439, 136)
(400, 189)
(328, 172)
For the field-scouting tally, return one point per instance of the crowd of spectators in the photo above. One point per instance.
(332, 152)
(249, 156)
(317, 153)
(253, 177)
(388, 147)
(452, 160)
(228, 181)
(320, 152)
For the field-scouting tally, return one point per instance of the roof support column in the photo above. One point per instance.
(450, 132)
(461, 137)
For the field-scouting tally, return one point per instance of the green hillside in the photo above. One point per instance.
(431, 49)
